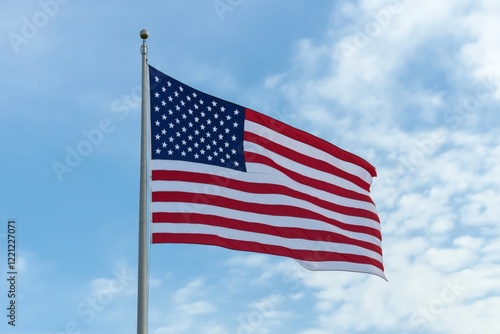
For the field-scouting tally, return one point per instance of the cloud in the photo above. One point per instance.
(188, 310)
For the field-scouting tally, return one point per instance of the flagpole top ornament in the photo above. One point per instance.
(144, 34)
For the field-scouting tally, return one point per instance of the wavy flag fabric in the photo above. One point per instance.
(228, 176)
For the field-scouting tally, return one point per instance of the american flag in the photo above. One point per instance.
(225, 175)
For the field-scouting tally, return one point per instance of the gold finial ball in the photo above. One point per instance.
(144, 34)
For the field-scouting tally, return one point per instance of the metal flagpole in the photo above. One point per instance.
(142, 277)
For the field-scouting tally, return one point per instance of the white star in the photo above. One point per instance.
(183, 153)
(221, 136)
(170, 152)
(156, 78)
(209, 158)
(158, 151)
(226, 130)
(222, 160)
(163, 89)
(202, 151)
(184, 129)
(228, 117)
(222, 109)
(196, 145)
(233, 151)
(170, 99)
(157, 137)
(171, 139)
(171, 125)
(164, 144)
(235, 124)
(163, 117)
(201, 101)
(226, 144)
(178, 134)
(236, 163)
(163, 103)
(214, 103)
(194, 95)
(176, 94)
(169, 84)
(209, 121)
(236, 112)
(196, 156)
(163, 132)
(157, 94)
(233, 138)
(177, 147)
(157, 108)
(181, 89)
(216, 115)
(157, 123)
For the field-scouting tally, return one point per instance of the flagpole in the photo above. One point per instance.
(142, 277)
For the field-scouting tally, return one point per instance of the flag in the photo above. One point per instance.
(228, 176)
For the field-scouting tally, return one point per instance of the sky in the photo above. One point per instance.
(411, 86)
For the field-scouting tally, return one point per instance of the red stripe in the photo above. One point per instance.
(309, 139)
(305, 160)
(285, 232)
(267, 209)
(300, 178)
(259, 188)
(305, 255)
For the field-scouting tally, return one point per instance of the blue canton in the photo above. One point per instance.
(189, 125)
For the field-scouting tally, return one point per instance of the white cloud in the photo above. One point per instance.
(186, 311)
(189, 291)
(248, 260)
(480, 55)
(197, 307)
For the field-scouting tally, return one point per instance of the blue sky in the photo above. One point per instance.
(412, 86)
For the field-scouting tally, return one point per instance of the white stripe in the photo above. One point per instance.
(303, 169)
(273, 199)
(344, 266)
(260, 174)
(307, 150)
(293, 244)
(277, 221)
